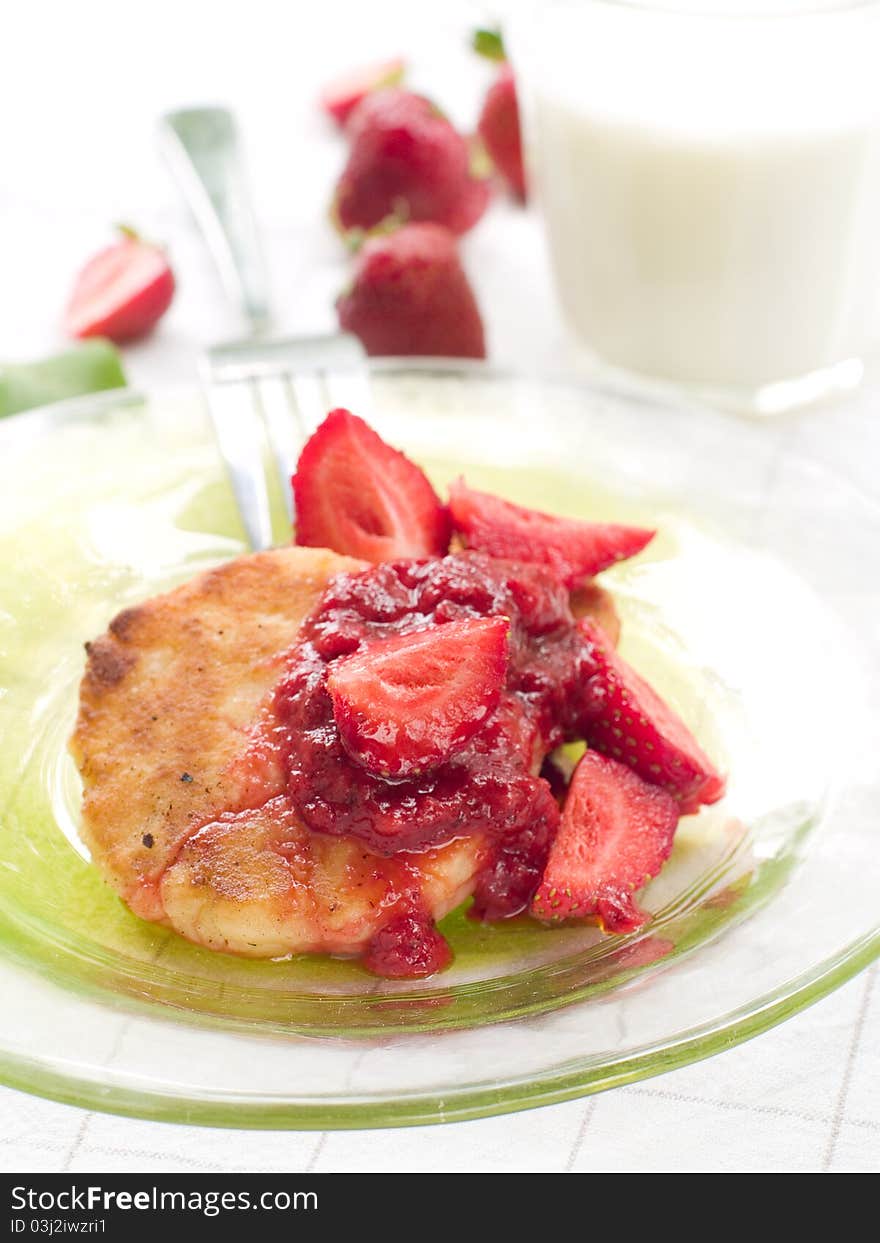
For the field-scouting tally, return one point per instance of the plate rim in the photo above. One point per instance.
(425, 1108)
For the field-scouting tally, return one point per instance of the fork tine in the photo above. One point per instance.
(254, 384)
(309, 400)
(286, 435)
(277, 391)
(238, 430)
(350, 388)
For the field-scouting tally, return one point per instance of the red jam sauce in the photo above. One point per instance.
(491, 788)
(407, 947)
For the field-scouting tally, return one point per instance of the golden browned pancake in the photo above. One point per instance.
(184, 808)
(591, 600)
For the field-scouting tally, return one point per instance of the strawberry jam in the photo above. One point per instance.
(407, 947)
(490, 787)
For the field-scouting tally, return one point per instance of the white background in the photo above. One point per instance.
(79, 108)
(80, 90)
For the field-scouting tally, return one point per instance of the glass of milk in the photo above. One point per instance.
(709, 175)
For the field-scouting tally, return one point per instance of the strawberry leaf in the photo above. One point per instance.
(489, 43)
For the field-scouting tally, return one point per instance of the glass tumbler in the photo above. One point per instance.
(709, 178)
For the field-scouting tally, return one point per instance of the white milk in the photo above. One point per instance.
(711, 186)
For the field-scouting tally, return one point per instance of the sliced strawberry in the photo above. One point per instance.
(121, 293)
(628, 720)
(404, 705)
(616, 833)
(573, 550)
(340, 97)
(355, 494)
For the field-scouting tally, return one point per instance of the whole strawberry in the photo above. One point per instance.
(499, 125)
(410, 295)
(122, 292)
(340, 97)
(407, 160)
(499, 129)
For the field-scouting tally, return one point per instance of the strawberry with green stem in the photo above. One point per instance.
(499, 123)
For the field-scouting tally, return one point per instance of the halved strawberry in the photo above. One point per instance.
(628, 720)
(340, 97)
(406, 704)
(573, 550)
(122, 292)
(355, 494)
(616, 833)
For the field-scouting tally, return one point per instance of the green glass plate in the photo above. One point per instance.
(734, 612)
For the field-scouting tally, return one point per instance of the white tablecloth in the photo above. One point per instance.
(79, 153)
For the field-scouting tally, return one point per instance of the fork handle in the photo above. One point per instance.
(203, 150)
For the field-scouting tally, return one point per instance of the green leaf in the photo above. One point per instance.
(489, 44)
(87, 368)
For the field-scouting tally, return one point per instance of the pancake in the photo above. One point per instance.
(184, 806)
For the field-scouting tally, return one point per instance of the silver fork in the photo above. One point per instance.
(265, 394)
